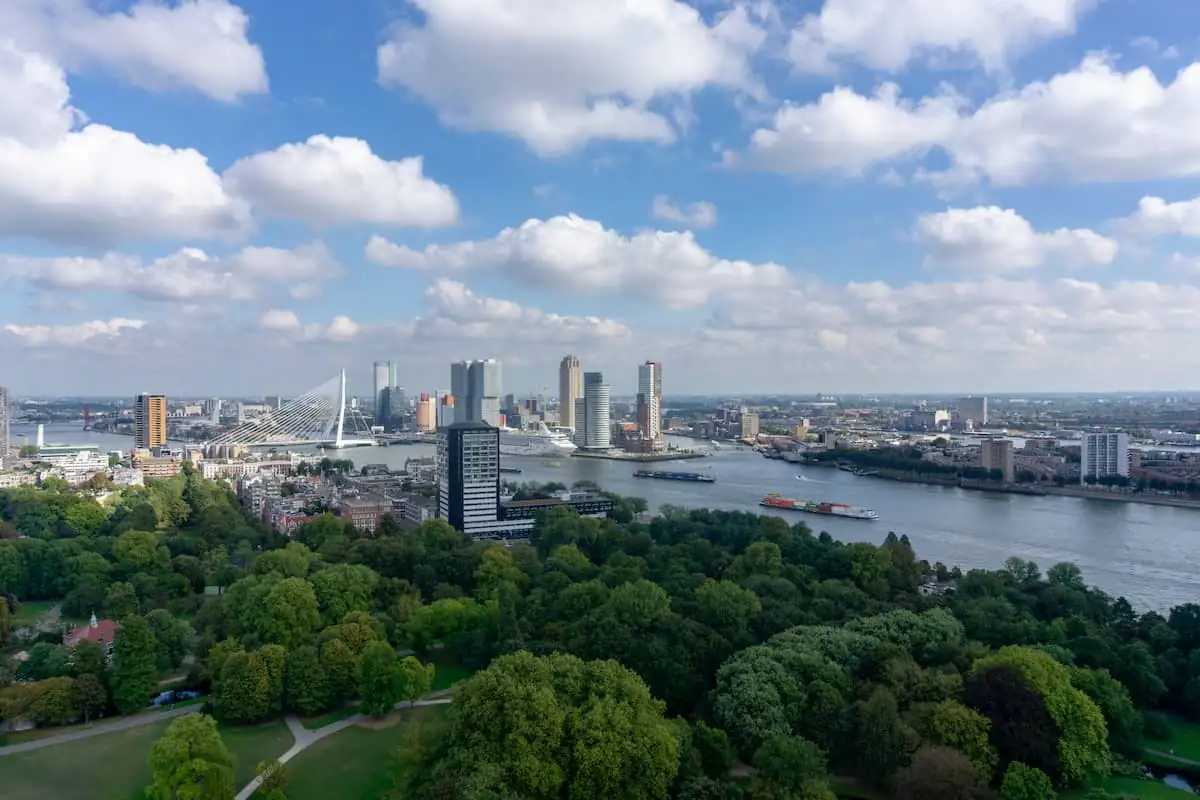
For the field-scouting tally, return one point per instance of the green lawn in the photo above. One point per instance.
(1184, 741)
(1133, 787)
(354, 764)
(448, 669)
(114, 766)
(329, 717)
(30, 610)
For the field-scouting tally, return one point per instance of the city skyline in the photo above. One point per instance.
(758, 196)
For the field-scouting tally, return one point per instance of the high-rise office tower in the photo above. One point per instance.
(974, 409)
(570, 389)
(4, 425)
(649, 400)
(476, 389)
(468, 468)
(597, 416)
(385, 378)
(149, 421)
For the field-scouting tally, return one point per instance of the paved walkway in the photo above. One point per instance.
(1171, 756)
(306, 738)
(97, 729)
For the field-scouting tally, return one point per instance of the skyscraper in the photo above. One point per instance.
(385, 378)
(570, 389)
(597, 417)
(1103, 455)
(468, 467)
(476, 389)
(4, 425)
(649, 400)
(149, 421)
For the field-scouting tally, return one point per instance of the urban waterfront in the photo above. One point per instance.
(1143, 552)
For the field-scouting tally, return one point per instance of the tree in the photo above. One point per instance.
(245, 688)
(341, 670)
(289, 614)
(884, 743)
(134, 671)
(378, 679)
(171, 637)
(727, 608)
(304, 683)
(791, 763)
(274, 779)
(939, 773)
(552, 727)
(5, 623)
(90, 695)
(121, 600)
(414, 678)
(1022, 782)
(54, 702)
(954, 725)
(190, 762)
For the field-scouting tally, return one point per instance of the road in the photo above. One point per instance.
(98, 729)
(306, 738)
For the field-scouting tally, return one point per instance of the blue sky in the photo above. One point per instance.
(852, 195)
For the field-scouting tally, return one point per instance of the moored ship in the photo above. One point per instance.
(667, 475)
(810, 507)
(536, 441)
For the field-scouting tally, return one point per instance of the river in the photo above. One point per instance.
(1146, 553)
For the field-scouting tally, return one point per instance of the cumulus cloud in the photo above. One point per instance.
(998, 239)
(338, 180)
(889, 34)
(1158, 217)
(190, 44)
(187, 275)
(1094, 123)
(559, 73)
(70, 336)
(572, 253)
(701, 214)
(95, 185)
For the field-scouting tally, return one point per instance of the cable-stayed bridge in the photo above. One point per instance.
(317, 417)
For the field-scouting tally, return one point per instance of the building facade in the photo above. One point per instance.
(426, 413)
(5, 431)
(998, 454)
(649, 400)
(468, 469)
(597, 433)
(476, 389)
(1103, 455)
(974, 409)
(385, 378)
(570, 389)
(149, 421)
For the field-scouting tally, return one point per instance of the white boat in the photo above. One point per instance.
(536, 441)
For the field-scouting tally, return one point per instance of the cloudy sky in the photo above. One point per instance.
(244, 196)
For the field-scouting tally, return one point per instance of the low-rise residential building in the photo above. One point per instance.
(365, 511)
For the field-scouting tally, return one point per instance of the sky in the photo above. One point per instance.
(243, 197)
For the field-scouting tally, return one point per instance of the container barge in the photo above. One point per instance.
(666, 475)
(810, 507)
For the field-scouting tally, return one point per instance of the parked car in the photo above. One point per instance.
(172, 696)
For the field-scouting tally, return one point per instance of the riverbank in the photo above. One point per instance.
(1039, 490)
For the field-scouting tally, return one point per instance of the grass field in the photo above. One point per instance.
(115, 766)
(1132, 787)
(1184, 741)
(354, 764)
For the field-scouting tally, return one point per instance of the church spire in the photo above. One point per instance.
(94, 623)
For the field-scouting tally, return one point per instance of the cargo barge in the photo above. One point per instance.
(665, 475)
(810, 507)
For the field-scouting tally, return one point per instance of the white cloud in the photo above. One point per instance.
(560, 73)
(996, 239)
(95, 185)
(73, 335)
(337, 180)
(186, 275)
(700, 214)
(456, 312)
(572, 253)
(1157, 217)
(194, 44)
(340, 329)
(889, 34)
(277, 319)
(1093, 123)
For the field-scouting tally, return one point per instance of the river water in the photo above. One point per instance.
(1147, 553)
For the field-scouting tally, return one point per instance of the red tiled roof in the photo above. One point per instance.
(104, 631)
